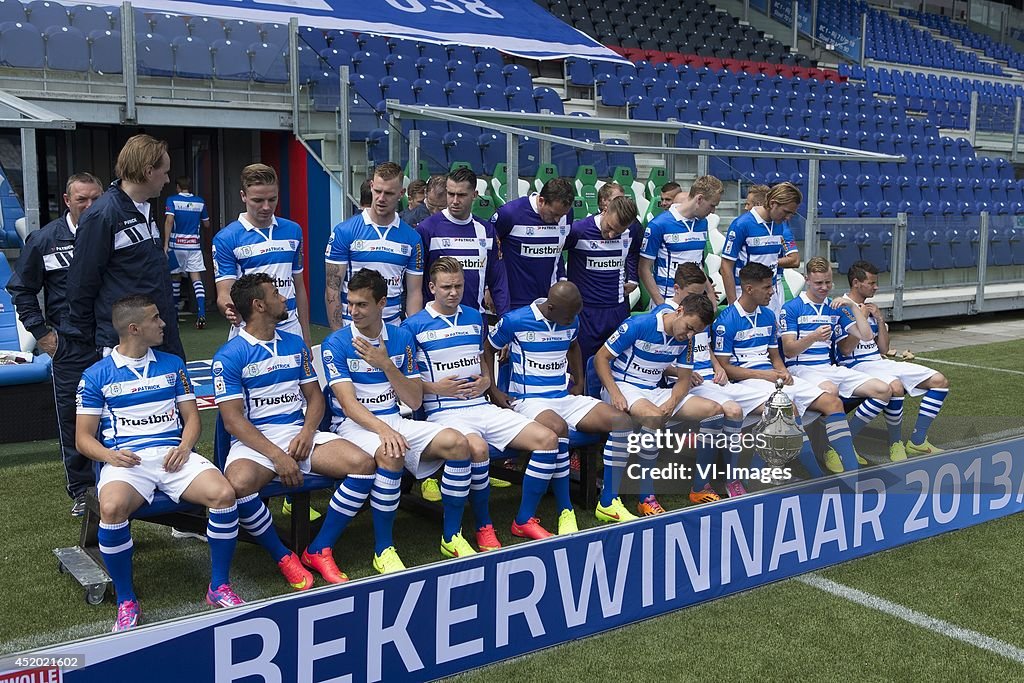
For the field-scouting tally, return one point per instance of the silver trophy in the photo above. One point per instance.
(779, 436)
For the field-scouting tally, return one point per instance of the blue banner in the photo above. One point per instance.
(518, 27)
(782, 11)
(448, 617)
(845, 43)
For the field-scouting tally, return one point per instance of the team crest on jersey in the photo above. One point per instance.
(328, 356)
(431, 335)
(246, 252)
(446, 243)
(251, 370)
(358, 245)
(353, 365)
(482, 242)
(476, 329)
(115, 389)
(530, 336)
(562, 230)
(529, 232)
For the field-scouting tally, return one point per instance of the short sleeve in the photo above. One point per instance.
(789, 319)
(183, 390)
(225, 266)
(307, 369)
(415, 264)
(298, 262)
(204, 215)
(723, 339)
(169, 206)
(788, 241)
(652, 240)
(338, 246)
(685, 358)
(227, 379)
(89, 397)
(623, 337)
(335, 361)
(734, 240)
(502, 334)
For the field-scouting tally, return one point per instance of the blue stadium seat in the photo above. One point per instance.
(547, 98)
(336, 57)
(66, 49)
(518, 99)
(1017, 247)
(999, 250)
(844, 249)
(369, 42)
(44, 14)
(429, 93)
(432, 151)
(490, 97)
(21, 46)
(87, 18)
(941, 250)
(960, 246)
(401, 66)
(243, 32)
(492, 151)
(231, 61)
(459, 147)
(315, 38)
(918, 252)
(873, 250)
(105, 52)
(433, 51)
(394, 88)
(580, 71)
(210, 30)
(517, 75)
(431, 68)
(463, 72)
(13, 11)
(170, 26)
(460, 95)
(154, 56)
(489, 73)
(192, 58)
(369, 64)
(377, 146)
(277, 34)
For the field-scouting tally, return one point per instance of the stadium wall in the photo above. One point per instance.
(448, 617)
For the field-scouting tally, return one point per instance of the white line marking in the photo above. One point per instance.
(969, 365)
(939, 626)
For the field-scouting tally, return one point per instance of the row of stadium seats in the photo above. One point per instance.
(891, 39)
(927, 249)
(584, 72)
(678, 59)
(965, 35)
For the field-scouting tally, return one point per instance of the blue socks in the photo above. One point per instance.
(837, 430)
(254, 517)
(865, 413)
(648, 458)
(454, 491)
(384, 495)
(222, 536)
(200, 291)
(809, 460)
(116, 547)
(731, 429)
(535, 483)
(560, 477)
(894, 419)
(615, 459)
(346, 502)
(480, 492)
(931, 404)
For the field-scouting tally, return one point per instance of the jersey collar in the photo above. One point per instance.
(120, 360)
(456, 221)
(250, 227)
(253, 341)
(807, 300)
(671, 303)
(535, 307)
(393, 224)
(383, 332)
(660, 318)
(744, 312)
(757, 217)
(434, 313)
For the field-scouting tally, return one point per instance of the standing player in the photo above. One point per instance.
(141, 401)
(370, 366)
(678, 236)
(904, 378)
(260, 242)
(379, 240)
(747, 345)
(761, 236)
(532, 231)
(668, 194)
(450, 346)
(603, 251)
(456, 232)
(757, 195)
(630, 365)
(262, 379)
(544, 354)
(43, 266)
(184, 215)
(808, 330)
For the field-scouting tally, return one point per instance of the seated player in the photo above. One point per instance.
(261, 380)
(370, 366)
(450, 344)
(904, 378)
(141, 400)
(543, 345)
(747, 346)
(630, 365)
(708, 379)
(808, 328)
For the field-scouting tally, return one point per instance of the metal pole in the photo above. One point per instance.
(293, 70)
(1016, 129)
(395, 138)
(812, 241)
(512, 168)
(545, 145)
(983, 231)
(746, 10)
(814, 23)
(702, 160)
(972, 132)
(344, 161)
(796, 25)
(30, 178)
(414, 154)
(899, 263)
(128, 59)
(670, 159)
(863, 39)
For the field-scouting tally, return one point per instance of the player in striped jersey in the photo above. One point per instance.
(260, 242)
(141, 402)
(370, 366)
(676, 236)
(271, 404)
(746, 343)
(532, 231)
(809, 328)
(904, 378)
(603, 252)
(454, 231)
(630, 366)
(184, 216)
(449, 350)
(761, 236)
(379, 240)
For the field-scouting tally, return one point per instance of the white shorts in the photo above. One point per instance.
(419, 434)
(632, 394)
(290, 325)
(801, 392)
(150, 475)
(910, 374)
(188, 261)
(748, 394)
(280, 436)
(570, 408)
(847, 379)
(497, 426)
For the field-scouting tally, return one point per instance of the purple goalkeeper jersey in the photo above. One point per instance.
(473, 243)
(601, 268)
(531, 249)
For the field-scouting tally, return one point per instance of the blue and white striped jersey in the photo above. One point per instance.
(670, 240)
(392, 250)
(240, 248)
(745, 337)
(447, 346)
(136, 399)
(189, 212)
(866, 350)
(343, 364)
(800, 317)
(752, 240)
(266, 375)
(642, 349)
(538, 354)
